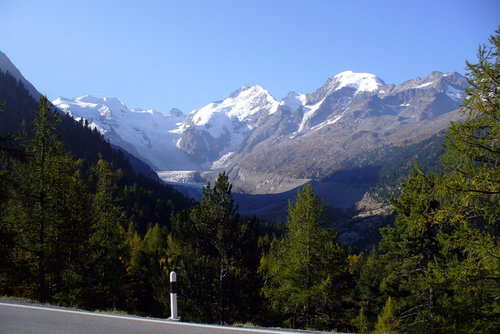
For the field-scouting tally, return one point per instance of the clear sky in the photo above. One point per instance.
(187, 53)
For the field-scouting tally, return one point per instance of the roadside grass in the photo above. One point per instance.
(112, 311)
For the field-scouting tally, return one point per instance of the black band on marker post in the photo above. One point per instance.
(173, 287)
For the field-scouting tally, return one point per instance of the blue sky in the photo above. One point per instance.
(186, 53)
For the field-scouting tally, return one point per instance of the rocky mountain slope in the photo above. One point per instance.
(312, 136)
(303, 136)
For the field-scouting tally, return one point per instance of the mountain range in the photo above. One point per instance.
(353, 134)
(271, 146)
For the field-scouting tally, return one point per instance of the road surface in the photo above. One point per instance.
(32, 318)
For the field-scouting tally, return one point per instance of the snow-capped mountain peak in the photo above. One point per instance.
(451, 84)
(220, 127)
(293, 101)
(358, 82)
(241, 104)
(238, 91)
(90, 107)
(250, 119)
(362, 82)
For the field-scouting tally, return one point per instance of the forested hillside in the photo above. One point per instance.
(146, 200)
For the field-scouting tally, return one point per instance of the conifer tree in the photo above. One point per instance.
(148, 285)
(40, 211)
(71, 230)
(367, 271)
(443, 256)
(206, 249)
(410, 249)
(107, 255)
(470, 268)
(8, 155)
(305, 272)
(387, 323)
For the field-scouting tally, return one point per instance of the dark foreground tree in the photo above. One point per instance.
(216, 258)
(40, 212)
(107, 256)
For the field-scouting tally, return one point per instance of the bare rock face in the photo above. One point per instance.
(201, 146)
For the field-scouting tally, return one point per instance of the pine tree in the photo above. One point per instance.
(41, 213)
(30, 211)
(107, 255)
(305, 272)
(206, 250)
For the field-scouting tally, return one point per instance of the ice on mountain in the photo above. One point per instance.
(423, 85)
(293, 101)
(362, 82)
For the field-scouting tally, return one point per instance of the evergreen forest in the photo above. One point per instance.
(82, 224)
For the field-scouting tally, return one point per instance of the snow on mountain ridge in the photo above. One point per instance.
(362, 82)
(241, 104)
(217, 133)
(143, 132)
(246, 101)
(293, 101)
(309, 113)
(358, 82)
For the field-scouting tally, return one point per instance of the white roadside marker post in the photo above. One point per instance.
(173, 297)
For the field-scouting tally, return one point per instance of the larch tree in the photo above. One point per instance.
(40, 210)
(409, 250)
(471, 209)
(305, 272)
(443, 255)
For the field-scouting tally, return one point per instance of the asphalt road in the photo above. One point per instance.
(38, 319)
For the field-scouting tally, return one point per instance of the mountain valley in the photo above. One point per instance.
(353, 139)
(272, 147)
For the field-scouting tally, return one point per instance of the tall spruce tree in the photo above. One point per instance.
(38, 213)
(107, 254)
(216, 274)
(305, 273)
